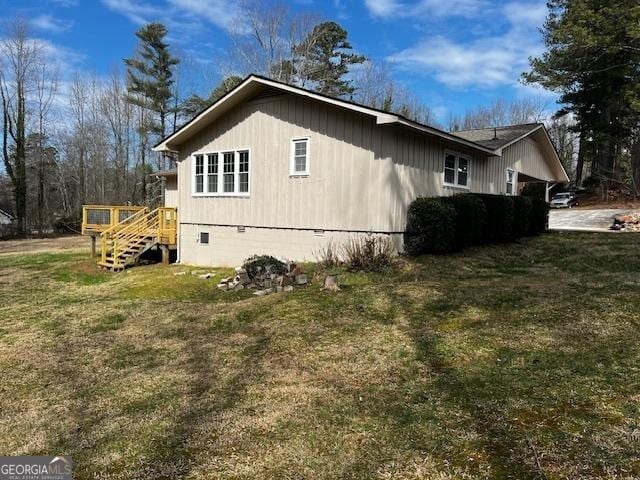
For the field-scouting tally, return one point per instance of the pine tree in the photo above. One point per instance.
(195, 103)
(150, 76)
(593, 61)
(324, 58)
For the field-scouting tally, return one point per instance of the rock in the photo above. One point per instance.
(239, 286)
(240, 270)
(301, 279)
(205, 276)
(295, 271)
(179, 274)
(283, 280)
(279, 289)
(331, 283)
(261, 293)
(288, 288)
(223, 286)
(243, 277)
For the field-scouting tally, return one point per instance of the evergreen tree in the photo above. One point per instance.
(593, 61)
(150, 76)
(195, 103)
(324, 57)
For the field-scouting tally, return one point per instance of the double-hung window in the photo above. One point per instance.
(456, 170)
(228, 175)
(221, 173)
(512, 180)
(299, 157)
(199, 186)
(212, 173)
(243, 171)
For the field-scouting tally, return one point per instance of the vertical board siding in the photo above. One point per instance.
(363, 176)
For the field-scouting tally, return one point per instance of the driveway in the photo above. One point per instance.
(580, 219)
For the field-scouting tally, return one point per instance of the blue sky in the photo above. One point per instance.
(454, 54)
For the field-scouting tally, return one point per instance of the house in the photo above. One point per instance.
(6, 222)
(5, 218)
(276, 169)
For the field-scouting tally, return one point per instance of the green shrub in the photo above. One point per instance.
(522, 207)
(371, 253)
(471, 219)
(500, 216)
(539, 217)
(431, 227)
(261, 263)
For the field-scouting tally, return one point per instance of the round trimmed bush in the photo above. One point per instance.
(471, 219)
(500, 217)
(431, 227)
(522, 207)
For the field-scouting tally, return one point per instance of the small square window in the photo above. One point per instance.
(456, 170)
(204, 237)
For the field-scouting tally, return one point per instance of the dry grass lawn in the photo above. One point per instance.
(517, 361)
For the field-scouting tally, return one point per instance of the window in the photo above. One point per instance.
(212, 173)
(512, 180)
(204, 237)
(228, 176)
(222, 173)
(199, 173)
(300, 157)
(456, 170)
(243, 169)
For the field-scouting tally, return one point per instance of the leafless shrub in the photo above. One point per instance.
(371, 253)
(328, 256)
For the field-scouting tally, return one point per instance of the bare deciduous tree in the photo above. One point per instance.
(20, 56)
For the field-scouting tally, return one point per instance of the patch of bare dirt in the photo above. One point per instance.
(33, 245)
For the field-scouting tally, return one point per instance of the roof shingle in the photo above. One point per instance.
(497, 137)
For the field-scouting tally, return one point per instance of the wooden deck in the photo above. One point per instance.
(126, 232)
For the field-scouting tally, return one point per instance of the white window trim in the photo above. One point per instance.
(469, 170)
(515, 181)
(236, 179)
(292, 157)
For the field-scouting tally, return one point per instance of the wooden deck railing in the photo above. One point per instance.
(156, 227)
(98, 218)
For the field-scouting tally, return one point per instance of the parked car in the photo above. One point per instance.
(564, 200)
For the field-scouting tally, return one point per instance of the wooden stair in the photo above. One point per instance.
(124, 243)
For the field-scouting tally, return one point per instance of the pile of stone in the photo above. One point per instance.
(266, 280)
(629, 222)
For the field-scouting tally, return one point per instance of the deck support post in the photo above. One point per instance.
(165, 254)
(93, 246)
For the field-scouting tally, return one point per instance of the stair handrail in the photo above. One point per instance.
(124, 223)
(121, 238)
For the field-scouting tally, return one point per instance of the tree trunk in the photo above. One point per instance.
(581, 154)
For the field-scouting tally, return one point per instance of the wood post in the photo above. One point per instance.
(165, 254)
(93, 246)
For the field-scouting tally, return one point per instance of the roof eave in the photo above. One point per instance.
(449, 137)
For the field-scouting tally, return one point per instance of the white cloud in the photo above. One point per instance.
(137, 12)
(66, 3)
(218, 12)
(527, 15)
(485, 62)
(183, 15)
(49, 23)
(382, 8)
(424, 9)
